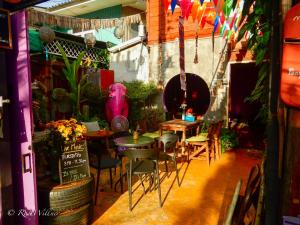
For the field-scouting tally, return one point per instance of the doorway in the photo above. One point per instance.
(242, 113)
(6, 185)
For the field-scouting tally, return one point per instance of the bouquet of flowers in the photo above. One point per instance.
(66, 130)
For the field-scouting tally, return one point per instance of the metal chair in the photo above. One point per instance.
(142, 162)
(169, 151)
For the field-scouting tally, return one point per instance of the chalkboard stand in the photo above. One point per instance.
(74, 162)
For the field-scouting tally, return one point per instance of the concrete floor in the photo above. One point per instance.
(202, 199)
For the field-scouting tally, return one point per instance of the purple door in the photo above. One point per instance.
(19, 165)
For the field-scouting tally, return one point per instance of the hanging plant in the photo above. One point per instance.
(257, 15)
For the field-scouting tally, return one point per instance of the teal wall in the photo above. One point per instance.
(107, 13)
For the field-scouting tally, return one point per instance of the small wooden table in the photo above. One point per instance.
(179, 125)
(99, 134)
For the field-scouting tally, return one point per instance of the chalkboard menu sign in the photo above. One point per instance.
(5, 29)
(74, 162)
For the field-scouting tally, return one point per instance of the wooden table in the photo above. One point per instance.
(179, 125)
(129, 142)
(100, 134)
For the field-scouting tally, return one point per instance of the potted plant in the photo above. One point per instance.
(74, 78)
(62, 132)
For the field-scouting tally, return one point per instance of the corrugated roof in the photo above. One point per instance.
(52, 3)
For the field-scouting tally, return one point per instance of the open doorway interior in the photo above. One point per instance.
(242, 113)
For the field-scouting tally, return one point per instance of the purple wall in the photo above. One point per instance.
(21, 124)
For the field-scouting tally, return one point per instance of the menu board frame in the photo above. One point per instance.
(74, 158)
(5, 29)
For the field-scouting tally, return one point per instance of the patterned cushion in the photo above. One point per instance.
(198, 138)
(155, 134)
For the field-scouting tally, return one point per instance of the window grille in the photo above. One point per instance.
(73, 49)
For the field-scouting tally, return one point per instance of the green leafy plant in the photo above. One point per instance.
(229, 139)
(257, 14)
(74, 77)
(140, 95)
(103, 55)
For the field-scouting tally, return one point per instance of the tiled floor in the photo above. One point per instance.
(202, 199)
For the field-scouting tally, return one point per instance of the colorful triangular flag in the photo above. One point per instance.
(215, 2)
(201, 1)
(189, 9)
(203, 21)
(222, 17)
(194, 10)
(216, 23)
(200, 12)
(173, 5)
(223, 28)
(166, 4)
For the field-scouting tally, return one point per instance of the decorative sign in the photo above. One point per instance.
(74, 162)
(290, 71)
(5, 29)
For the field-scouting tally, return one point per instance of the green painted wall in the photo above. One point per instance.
(107, 13)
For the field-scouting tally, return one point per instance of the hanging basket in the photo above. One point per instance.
(47, 35)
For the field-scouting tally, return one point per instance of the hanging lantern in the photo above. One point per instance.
(119, 30)
(89, 40)
(47, 35)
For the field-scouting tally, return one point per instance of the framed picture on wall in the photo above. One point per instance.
(5, 29)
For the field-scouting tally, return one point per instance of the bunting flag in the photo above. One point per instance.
(189, 8)
(166, 4)
(184, 5)
(232, 20)
(173, 5)
(216, 23)
(201, 1)
(215, 2)
(194, 10)
(228, 34)
(200, 12)
(203, 21)
(223, 28)
(240, 7)
(222, 17)
(227, 7)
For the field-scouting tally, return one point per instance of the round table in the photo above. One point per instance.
(100, 134)
(129, 142)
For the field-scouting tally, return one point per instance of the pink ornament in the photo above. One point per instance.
(117, 103)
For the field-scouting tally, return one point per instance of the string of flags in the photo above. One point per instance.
(223, 15)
